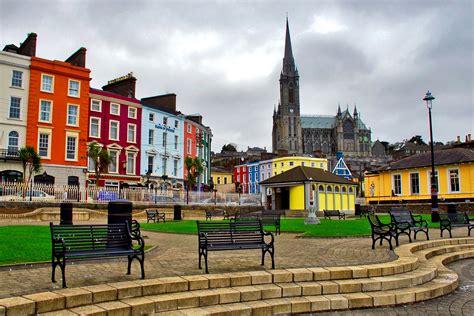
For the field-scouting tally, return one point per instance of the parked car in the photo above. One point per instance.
(162, 199)
(36, 195)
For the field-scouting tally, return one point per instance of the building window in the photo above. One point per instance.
(165, 136)
(151, 162)
(47, 83)
(302, 163)
(90, 164)
(189, 146)
(176, 124)
(72, 114)
(175, 167)
(436, 184)
(13, 137)
(74, 87)
(15, 104)
(96, 105)
(165, 120)
(329, 188)
(113, 161)
(94, 130)
(415, 183)
(130, 163)
(43, 145)
(131, 133)
(45, 111)
(397, 184)
(114, 130)
(291, 164)
(163, 164)
(175, 142)
(189, 128)
(71, 148)
(114, 109)
(225, 180)
(151, 136)
(282, 164)
(151, 117)
(17, 79)
(218, 180)
(454, 180)
(132, 112)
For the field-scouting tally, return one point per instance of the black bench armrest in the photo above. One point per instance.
(59, 241)
(271, 235)
(135, 235)
(203, 236)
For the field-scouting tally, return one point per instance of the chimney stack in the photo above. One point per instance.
(28, 47)
(469, 137)
(124, 85)
(166, 102)
(78, 58)
(458, 139)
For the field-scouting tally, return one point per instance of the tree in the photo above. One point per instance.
(31, 162)
(417, 139)
(194, 167)
(101, 159)
(229, 147)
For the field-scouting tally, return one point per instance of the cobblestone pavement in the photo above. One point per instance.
(177, 255)
(459, 302)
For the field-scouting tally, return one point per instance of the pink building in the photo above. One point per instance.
(115, 122)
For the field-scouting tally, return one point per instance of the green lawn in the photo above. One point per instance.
(25, 244)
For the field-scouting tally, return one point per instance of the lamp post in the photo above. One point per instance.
(434, 190)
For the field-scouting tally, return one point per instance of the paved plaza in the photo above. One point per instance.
(176, 254)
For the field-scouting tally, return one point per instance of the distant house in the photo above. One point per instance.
(409, 149)
(408, 179)
(223, 180)
(305, 188)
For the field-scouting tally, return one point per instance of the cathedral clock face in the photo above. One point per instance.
(291, 110)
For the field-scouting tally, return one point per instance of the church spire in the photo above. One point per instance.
(355, 110)
(289, 67)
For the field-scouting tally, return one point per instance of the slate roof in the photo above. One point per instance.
(318, 121)
(325, 121)
(441, 157)
(300, 174)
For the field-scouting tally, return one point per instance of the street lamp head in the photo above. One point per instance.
(429, 99)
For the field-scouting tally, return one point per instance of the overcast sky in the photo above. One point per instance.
(223, 58)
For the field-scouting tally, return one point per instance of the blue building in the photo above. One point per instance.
(254, 177)
(162, 152)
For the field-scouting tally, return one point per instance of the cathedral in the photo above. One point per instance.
(294, 133)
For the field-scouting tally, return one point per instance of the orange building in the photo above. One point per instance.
(58, 110)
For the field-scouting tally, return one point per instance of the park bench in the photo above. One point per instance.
(267, 219)
(366, 212)
(447, 221)
(216, 212)
(77, 242)
(405, 222)
(380, 231)
(233, 235)
(155, 216)
(329, 214)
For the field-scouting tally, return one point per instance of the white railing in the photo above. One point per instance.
(36, 192)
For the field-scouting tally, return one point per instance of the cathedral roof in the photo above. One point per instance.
(318, 121)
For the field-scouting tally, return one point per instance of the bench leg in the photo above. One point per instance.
(129, 264)
(469, 231)
(140, 260)
(373, 241)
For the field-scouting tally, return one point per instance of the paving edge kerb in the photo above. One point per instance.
(418, 274)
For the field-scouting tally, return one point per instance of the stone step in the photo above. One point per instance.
(282, 297)
(418, 264)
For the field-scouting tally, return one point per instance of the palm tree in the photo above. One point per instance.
(195, 167)
(31, 162)
(101, 159)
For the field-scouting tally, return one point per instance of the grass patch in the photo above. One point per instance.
(27, 244)
(24, 244)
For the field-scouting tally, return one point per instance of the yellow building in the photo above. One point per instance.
(282, 164)
(306, 188)
(408, 179)
(223, 180)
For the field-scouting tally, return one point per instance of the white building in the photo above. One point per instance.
(14, 90)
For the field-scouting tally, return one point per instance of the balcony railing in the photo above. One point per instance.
(9, 154)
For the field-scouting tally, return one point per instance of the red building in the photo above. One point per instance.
(241, 176)
(115, 122)
(190, 148)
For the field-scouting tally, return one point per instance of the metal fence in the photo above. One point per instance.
(35, 192)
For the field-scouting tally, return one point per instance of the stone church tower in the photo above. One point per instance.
(286, 134)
